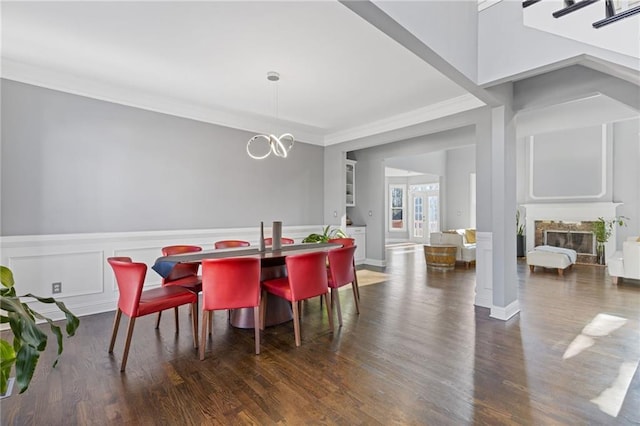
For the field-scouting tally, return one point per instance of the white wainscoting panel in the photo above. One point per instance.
(484, 269)
(79, 273)
(79, 261)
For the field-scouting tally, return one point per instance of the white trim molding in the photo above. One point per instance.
(603, 173)
(375, 262)
(505, 312)
(484, 269)
(79, 261)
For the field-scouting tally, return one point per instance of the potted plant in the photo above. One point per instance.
(602, 229)
(28, 339)
(326, 235)
(520, 228)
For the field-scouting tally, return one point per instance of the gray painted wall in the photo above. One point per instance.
(71, 164)
(567, 164)
(432, 163)
(370, 179)
(450, 28)
(461, 162)
(626, 176)
(571, 154)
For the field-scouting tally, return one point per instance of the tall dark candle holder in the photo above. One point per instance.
(262, 248)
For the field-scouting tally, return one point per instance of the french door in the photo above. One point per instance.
(425, 218)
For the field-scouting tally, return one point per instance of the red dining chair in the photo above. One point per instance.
(307, 278)
(135, 302)
(183, 274)
(230, 283)
(230, 244)
(341, 273)
(283, 241)
(345, 243)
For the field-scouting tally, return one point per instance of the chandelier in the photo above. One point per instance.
(278, 146)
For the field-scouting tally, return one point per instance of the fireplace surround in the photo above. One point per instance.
(577, 236)
(572, 219)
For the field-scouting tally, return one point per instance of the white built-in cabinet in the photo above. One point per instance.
(359, 233)
(351, 183)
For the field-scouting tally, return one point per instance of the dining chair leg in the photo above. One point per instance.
(355, 276)
(175, 310)
(210, 323)
(132, 323)
(335, 303)
(355, 297)
(194, 320)
(329, 310)
(263, 309)
(296, 322)
(114, 332)
(158, 320)
(203, 336)
(256, 327)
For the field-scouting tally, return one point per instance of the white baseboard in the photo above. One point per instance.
(376, 262)
(506, 312)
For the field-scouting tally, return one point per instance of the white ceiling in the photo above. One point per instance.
(340, 77)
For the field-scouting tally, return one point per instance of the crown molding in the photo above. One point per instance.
(421, 115)
(104, 91)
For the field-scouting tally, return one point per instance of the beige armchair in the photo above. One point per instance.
(625, 263)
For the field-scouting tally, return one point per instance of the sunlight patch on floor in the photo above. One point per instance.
(579, 344)
(601, 325)
(611, 399)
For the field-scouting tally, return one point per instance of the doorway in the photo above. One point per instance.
(424, 215)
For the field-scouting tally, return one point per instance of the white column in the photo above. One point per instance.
(503, 219)
(496, 278)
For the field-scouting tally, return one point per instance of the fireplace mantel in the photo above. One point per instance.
(569, 212)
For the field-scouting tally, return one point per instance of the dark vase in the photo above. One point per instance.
(262, 248)
(520, 245)
(600, 253)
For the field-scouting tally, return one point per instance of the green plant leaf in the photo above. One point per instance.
(26, 361)
(6, 276)
(73, 322)
(55, 330)
(28, 339)
(314, 238)
(31, 335)
(7, 360)
(23, 324)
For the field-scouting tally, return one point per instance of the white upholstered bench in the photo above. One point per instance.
(551, 257)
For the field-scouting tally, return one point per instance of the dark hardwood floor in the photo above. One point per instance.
(419, 353)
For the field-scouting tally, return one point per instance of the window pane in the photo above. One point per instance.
(396, 196)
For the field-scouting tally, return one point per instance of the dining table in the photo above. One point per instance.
(272, 265)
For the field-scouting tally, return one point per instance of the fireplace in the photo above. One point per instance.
(568, 225)
(583, 242)
(577, 236)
